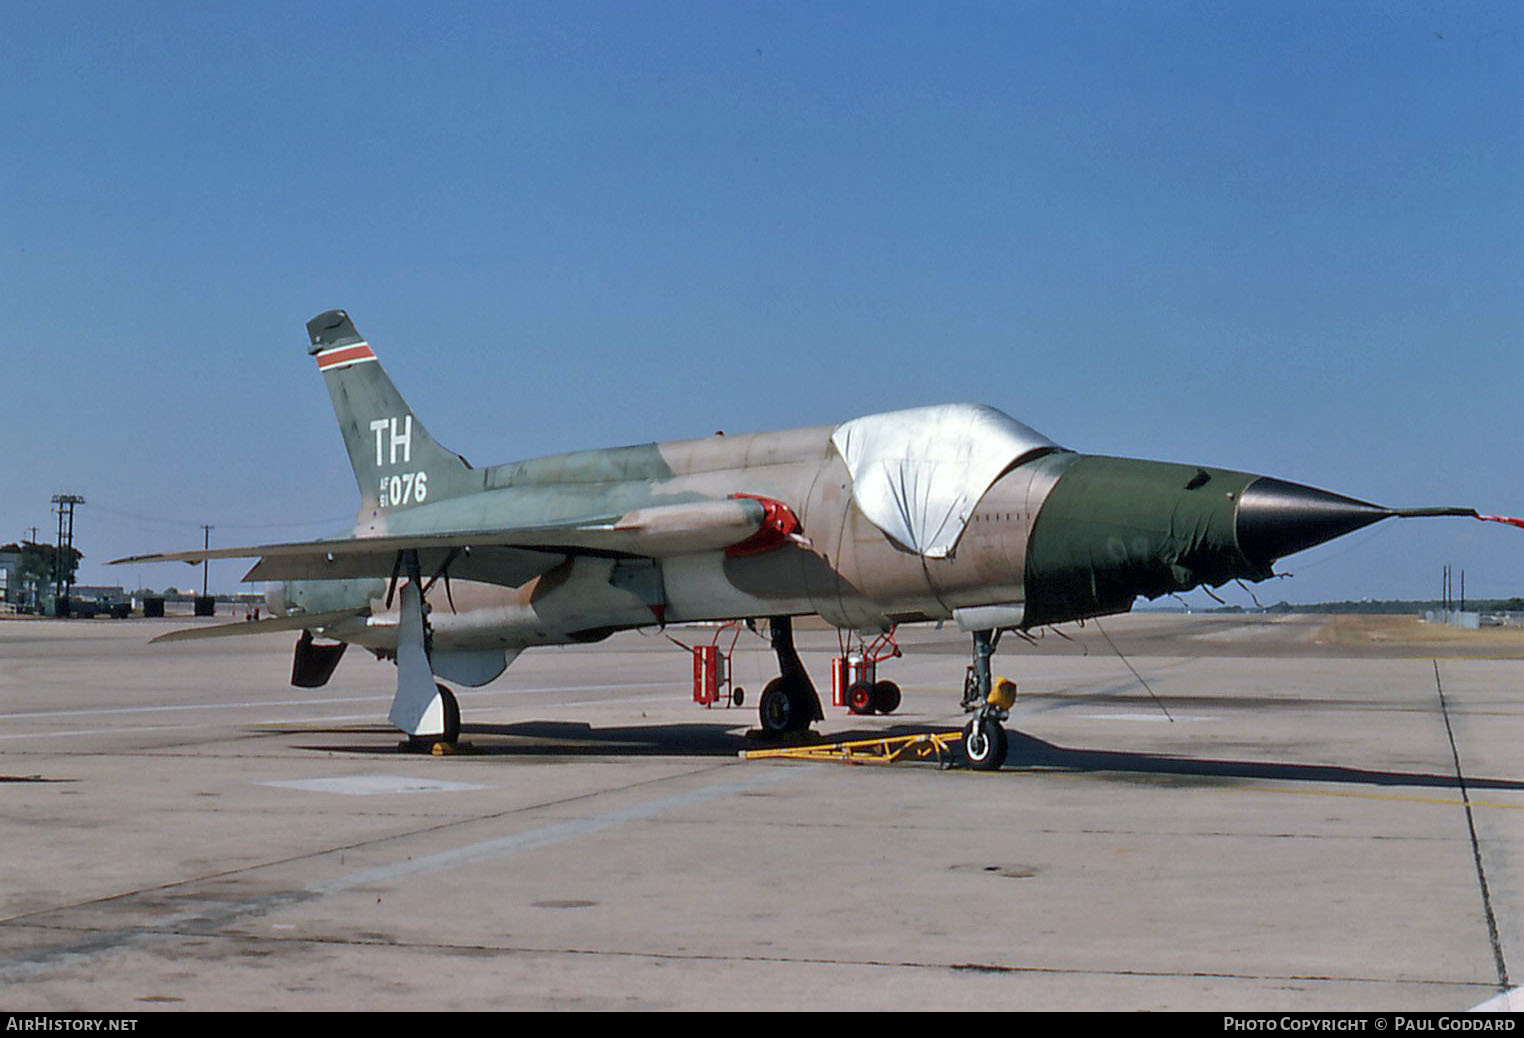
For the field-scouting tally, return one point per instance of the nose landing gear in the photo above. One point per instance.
(990, 701)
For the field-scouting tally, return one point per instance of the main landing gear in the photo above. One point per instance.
(789, 702)
(990, 701)
(447, 740)
(423, 708)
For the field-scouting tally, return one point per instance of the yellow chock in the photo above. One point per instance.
(434, 748)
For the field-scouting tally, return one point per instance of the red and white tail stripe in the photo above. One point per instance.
(344, 356)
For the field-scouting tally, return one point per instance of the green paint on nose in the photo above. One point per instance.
(1116, 528)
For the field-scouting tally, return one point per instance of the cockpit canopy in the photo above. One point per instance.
(918, 474)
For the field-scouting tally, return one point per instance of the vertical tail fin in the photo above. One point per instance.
(397, 464)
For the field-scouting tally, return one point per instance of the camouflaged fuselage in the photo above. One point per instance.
(1116, 528)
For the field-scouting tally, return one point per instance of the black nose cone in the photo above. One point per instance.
(1276, 518)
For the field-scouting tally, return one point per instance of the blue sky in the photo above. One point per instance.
(1284, 238)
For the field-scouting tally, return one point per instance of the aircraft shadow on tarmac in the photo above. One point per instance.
(551, 739)
(557, 739)
(1029, 752)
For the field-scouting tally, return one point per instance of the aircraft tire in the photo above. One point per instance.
(451, 715)
(785, 707)
(985, 745)
(776, 708)
(886, 697)
(860, 698)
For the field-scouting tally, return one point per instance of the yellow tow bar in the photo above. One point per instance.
(870, 751)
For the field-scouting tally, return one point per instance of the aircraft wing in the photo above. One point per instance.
(294, 622)
(504, 556)
(476, 558)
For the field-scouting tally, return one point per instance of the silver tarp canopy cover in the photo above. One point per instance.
(918, 474)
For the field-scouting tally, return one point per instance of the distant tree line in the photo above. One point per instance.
(1394, 606)
(39, 563)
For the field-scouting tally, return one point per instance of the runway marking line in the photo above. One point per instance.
(1379, 796)
(371, 785)
(1503, 1002)
(1436, 801)
(313, 701)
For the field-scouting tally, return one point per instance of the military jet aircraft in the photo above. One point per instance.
(954, 512)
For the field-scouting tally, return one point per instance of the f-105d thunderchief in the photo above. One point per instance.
(954, 512)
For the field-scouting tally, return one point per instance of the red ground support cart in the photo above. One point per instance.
(854, 676)
(711, 668)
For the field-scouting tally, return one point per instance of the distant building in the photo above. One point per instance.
(10, 577)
